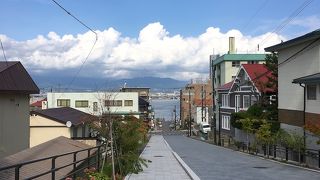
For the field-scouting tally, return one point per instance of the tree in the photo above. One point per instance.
(272, 65)
(248, 126)
(264, 135)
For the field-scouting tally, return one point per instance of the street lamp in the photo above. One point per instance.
(219, 106)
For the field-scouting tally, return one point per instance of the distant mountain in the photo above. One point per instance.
(93, 83)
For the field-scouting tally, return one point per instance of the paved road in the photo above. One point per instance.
(212, 162)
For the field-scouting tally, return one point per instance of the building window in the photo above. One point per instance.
(225, 123)
(235, 63)
(63, 102)
(252, 62)
(113, 103)
(81, 104)
(253, 100)
(225, 100)
(246, 101)
(95, 106)
(128, 102)
(311, 92)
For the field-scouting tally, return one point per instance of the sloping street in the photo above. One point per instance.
(213, 162)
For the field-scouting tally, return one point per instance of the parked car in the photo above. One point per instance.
(204, 128)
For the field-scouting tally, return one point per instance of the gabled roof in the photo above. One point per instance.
(314, 78)
(59, 145)
(298, 40)
(38, 103)
(239, 57)
(15, 79)
(259, 75)
(226, 86)
(65, 114)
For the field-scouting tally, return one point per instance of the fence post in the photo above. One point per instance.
(74, 165)
(287, 154)
(98, 160)
(275, 151)
(319, 159)
(17, 173)
(53, 166)
(264, 150)
(88, 158)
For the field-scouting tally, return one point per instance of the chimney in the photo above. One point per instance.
(231, 45)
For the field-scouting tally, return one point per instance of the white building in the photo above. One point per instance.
(298, 81)
(96, 103)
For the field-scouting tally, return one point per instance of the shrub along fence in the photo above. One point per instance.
(309, 157)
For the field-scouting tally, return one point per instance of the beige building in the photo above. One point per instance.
(48, 124)
(299, 83)
(15, 87)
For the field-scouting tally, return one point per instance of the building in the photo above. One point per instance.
(97, 103)
(51, 123)
(144, 100)
(247, 89)
(298, 81)
(223, 69)
(15, 87)
(196, 99)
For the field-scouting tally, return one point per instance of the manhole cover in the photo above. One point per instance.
(157, 156)
(260, 167)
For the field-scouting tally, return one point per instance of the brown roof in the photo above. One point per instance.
(65, 114)
(59, 145)
(15, 79)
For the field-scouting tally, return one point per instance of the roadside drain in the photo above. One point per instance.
(157, 156)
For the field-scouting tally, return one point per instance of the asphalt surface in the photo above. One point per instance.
(213, 162)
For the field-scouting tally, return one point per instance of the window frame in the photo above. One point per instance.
(113, 103)
(314, 97)
(243, 101)
(129, 100)
(225, 99)
(235, 64)
(225, 122)
(81, 102)
(60, 102)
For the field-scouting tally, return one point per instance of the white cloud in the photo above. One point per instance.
(310, 23)
(154, 53)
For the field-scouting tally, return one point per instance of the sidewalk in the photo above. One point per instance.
(163, 166)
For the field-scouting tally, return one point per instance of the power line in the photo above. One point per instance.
(4, 54)
(292, 16)
(96, 39)
(290, 58)
(255, 14)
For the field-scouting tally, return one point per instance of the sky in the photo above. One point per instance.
(137, 38)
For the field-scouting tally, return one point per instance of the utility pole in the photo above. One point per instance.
(175, 117)
(189, 112)
(202, 103)
(205, 105)
(213, 71)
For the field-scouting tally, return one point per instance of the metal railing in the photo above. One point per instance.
(94, 152)
(309, 157)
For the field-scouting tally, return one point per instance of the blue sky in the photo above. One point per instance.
(25, 19)
(163, 38)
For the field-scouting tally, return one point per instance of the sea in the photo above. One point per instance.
(164, 108)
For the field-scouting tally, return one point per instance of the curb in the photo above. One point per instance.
(187, 169)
